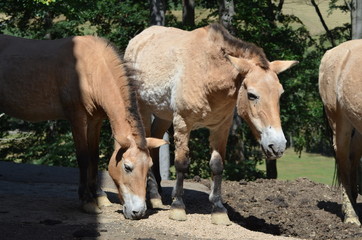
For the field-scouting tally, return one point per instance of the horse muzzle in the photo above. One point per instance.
(273, 143)
(133, 213)
(134, 207)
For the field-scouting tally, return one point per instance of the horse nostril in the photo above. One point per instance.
(135, 212)
(271, 146)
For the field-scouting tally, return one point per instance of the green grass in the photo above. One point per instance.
(315, 167)
(306, 12)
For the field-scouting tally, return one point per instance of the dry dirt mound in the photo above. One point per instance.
(299, 208)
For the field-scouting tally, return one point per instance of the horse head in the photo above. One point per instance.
(128, 168)
(258, 102)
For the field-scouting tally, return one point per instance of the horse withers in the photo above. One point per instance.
(340, 87)
(195, 79)
(82, 80)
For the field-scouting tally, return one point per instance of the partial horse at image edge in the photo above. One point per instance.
(82, 80)
(340, 89)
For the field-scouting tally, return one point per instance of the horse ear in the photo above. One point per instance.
(281, 66)
(241, 64)
(155, 142)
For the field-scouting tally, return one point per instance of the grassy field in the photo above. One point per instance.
(307, 14)
(303, 9)
(315, 167)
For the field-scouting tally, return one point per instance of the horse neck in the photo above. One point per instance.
(223, 77)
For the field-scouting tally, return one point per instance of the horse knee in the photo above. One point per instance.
(216, 163)
(182, 160)
(182, 165)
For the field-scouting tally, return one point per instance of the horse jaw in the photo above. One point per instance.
(272, 142)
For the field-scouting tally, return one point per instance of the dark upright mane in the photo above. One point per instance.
(124, 75)
(237, 47)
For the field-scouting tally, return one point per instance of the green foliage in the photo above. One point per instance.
(259, 21)
(119, 22)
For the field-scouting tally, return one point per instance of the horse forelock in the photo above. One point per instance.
(124, 75)
(237, 47)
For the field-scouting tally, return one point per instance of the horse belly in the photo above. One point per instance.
(29, 94)
(156, 101)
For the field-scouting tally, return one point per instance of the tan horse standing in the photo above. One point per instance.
(195, 79)
(340, 85)
(82, 80)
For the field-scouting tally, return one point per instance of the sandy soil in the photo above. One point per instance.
(39, 202)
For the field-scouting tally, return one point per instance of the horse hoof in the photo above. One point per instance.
(91, 207)
(156, 203)
(102, 201)
(220, 219)
(178, 214)
(352, 220)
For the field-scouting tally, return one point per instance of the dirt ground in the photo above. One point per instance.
(39, 202)
(300, 208)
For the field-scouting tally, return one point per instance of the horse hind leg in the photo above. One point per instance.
(344, 169)
(218, 140)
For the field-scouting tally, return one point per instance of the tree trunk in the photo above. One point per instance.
(157, 9)
(226, 13)
(165, 158)
(188, 13)
(329, 34)
(356, 19)
(271, 169)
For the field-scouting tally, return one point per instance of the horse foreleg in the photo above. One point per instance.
(93, 135)
(86, 194)
(218, 141)
(158, 129)
(182, 162)
(345, 170)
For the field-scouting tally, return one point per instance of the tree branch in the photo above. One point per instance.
(329, 33)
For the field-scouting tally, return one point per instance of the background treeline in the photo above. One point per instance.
(259, 21)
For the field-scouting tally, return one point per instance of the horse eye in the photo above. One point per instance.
(252, 96)
(128, 168)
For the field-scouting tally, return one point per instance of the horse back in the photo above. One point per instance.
(179, 71)
(43, 79)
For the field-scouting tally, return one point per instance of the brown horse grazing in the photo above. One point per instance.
(195, 79)
(340, 87)
(82, 80)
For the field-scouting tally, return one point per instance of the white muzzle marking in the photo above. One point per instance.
(134, 207)
(273, 142)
